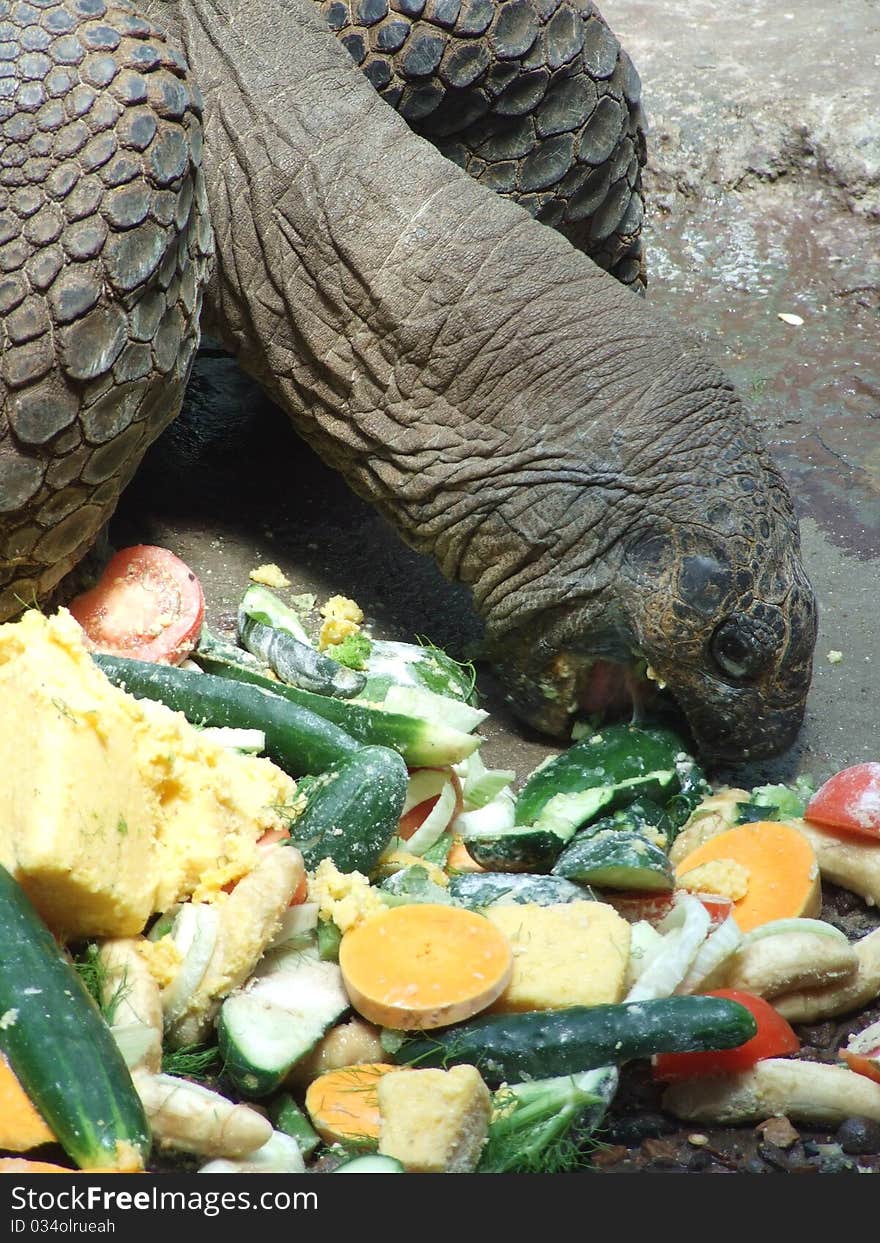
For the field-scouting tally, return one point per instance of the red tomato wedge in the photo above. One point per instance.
(774, 1038)
(656, 906)
(148, 605)
(849, 802)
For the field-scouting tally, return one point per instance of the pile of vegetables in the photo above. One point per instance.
(362, 946)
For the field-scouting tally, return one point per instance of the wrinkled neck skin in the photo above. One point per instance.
(509, 407)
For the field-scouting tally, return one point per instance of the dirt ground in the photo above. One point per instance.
(764, 198)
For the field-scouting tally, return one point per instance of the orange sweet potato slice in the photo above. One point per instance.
(343, 1104)
(783, 874)
(422, 966)
(21, 1127)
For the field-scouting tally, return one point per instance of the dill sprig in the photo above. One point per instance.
(96, 977)
(192, 1061)
(546, 1126)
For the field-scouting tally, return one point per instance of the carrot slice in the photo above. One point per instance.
(458, 859)
(777, 864)
(21, 1127)
(343, 1104)
(422, 966)
(867, 1066)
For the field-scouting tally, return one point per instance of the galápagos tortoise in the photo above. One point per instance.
(513, 409)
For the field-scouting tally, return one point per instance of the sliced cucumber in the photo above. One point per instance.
(373, 1164)
(480, 889)
(277, 1019)
(287, 1116)
(265, 607)
(522, 849)
(413, 884)
(415, 702)
(616, 860)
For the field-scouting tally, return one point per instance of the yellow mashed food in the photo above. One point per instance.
(113, 808)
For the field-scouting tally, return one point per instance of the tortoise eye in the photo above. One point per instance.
(738, 650)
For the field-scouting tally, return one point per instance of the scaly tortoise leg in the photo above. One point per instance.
(536, 99)
(105, 247)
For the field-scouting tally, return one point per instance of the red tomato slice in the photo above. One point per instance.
(148, 605)
(849, 802)
(655, 906)
(774, 1038)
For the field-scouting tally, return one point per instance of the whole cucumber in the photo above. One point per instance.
(298, 740)
(509, 1048)
(353, 814)
(59, 1046)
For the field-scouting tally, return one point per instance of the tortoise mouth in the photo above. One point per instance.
(576, 689)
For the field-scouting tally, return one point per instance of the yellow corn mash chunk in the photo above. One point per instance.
(162, 957)
(343, 617)
(726, 877)
(344, 897)
(434, 1121)
(571, 954)
(113, 808)
(270, 575)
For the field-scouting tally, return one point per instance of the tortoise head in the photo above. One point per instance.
(715, 608)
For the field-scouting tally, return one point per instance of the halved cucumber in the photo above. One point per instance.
(373, 1164)
(616, 860)
(298, 740)
(606, 770)
(277, 1019)
(60, 1048)
(422, 743)
(480, 889)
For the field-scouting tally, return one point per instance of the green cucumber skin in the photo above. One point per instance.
(624, 753)
(526, 850)
(510, 1048)
(59, 1046)
(480, 889)
(616, 859)
(410, 736)
(287, 1116)
(352, 816)
(299, 741)
(250, 1080)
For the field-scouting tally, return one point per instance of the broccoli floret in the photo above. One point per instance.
(544, 1127)
(353, 651)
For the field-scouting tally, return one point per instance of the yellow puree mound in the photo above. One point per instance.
(113, 808)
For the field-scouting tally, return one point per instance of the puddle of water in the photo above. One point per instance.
(728, 273)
